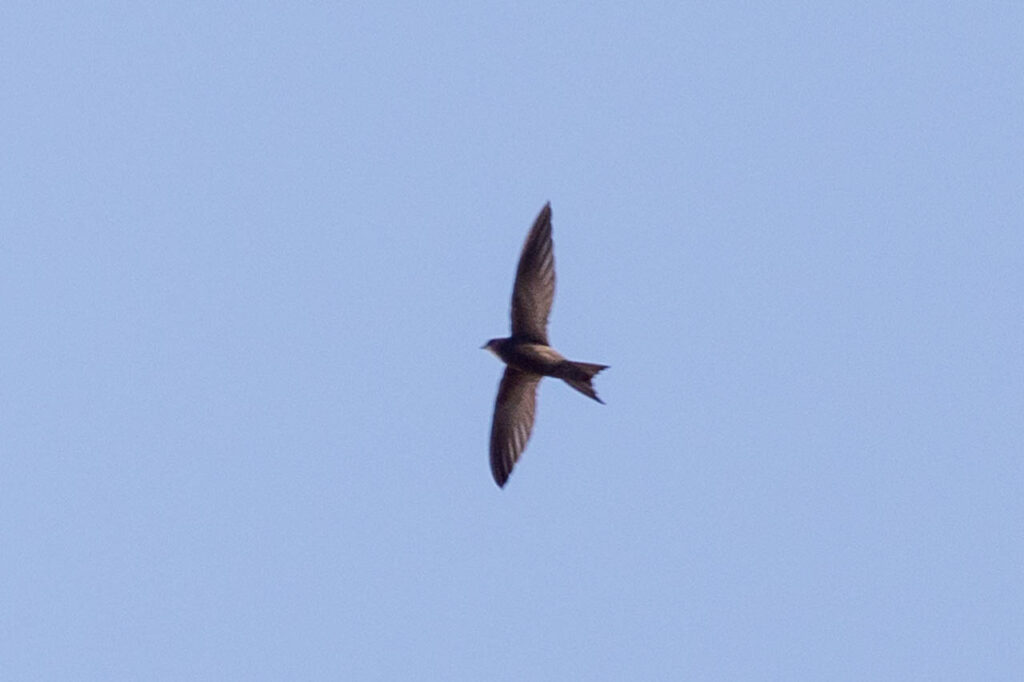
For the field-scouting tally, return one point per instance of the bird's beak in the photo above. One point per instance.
(483, 347)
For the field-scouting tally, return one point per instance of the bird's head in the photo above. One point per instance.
(492, 345)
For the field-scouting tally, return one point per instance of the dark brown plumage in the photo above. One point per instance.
(527, 353)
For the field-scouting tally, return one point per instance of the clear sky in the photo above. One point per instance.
(249, 253)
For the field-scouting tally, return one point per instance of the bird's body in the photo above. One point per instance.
(528, 357)
(536, 358)
(527, 354)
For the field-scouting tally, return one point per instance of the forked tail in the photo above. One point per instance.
(579, 375)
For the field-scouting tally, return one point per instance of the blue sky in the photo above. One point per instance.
(248, 255)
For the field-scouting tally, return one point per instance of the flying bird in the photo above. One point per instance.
(527, 354)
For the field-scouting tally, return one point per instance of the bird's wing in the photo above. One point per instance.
(535, 282)
(513, 420)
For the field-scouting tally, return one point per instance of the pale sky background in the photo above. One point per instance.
(248, 254)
